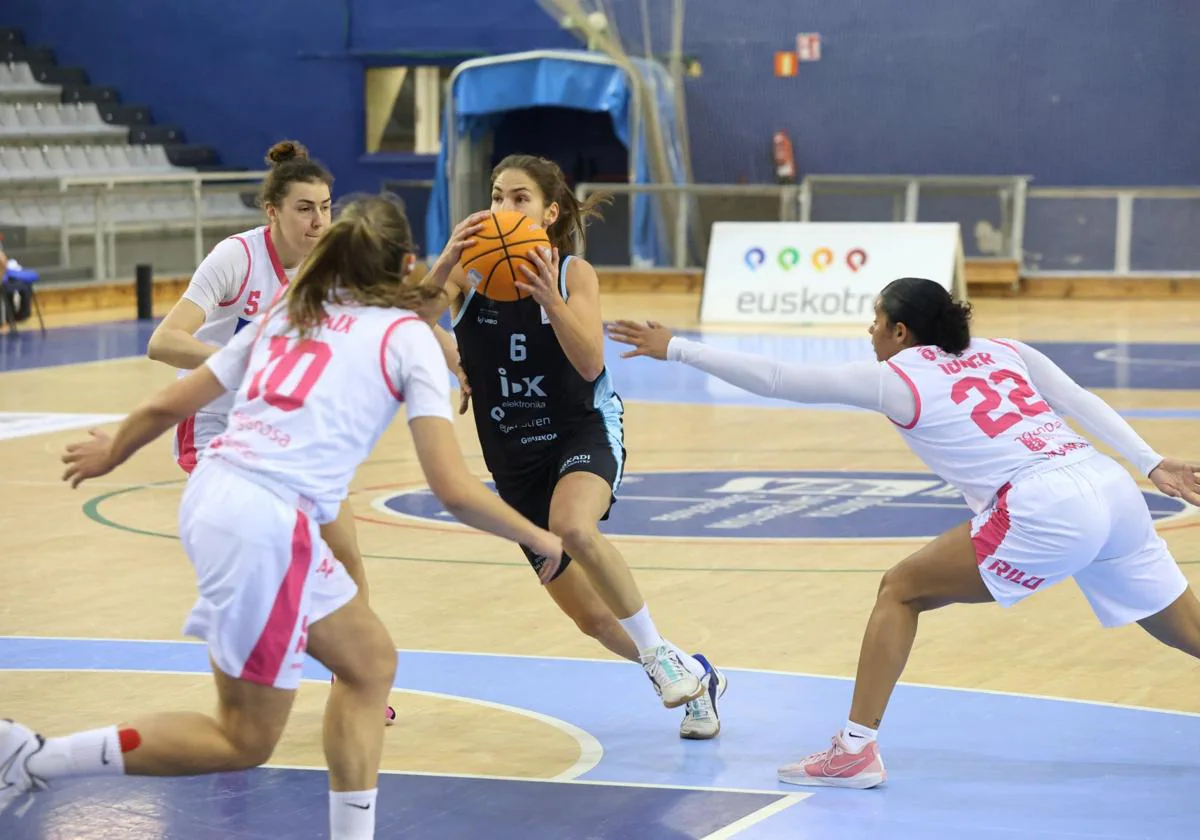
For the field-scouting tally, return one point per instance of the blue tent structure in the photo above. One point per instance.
(483, 91)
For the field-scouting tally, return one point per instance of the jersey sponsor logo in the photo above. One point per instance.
(581, 458)
(515, 385)
(773, 504)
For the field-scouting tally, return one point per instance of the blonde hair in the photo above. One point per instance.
(363, 258)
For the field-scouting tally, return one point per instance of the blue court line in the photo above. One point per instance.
(958, 759)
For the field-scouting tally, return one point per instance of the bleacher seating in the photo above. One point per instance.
(55, 124)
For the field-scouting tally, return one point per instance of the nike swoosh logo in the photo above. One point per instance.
(845, 767)
(241, 322)
(359, 807)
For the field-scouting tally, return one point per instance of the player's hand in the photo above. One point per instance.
(648, 339)
(460, 240)
(464, 390)
(541, 285)
(549, 547)
(1178, 480)
(88, 459)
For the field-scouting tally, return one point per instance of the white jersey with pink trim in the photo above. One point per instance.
(306, 413)
(234, 284)
(979, 420)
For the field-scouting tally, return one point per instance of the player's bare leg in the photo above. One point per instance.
(342, 538)
(353, 643)
(249, 720)
(578, 599)
(579, 500)
(1178, 625)
(946, 571)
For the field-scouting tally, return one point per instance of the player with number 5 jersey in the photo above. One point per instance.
(987, 416)
(238, 280)
(315, 383)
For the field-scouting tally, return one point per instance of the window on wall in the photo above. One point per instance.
(404, 108)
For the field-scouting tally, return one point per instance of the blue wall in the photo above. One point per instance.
(1071, 92)
(239, 75)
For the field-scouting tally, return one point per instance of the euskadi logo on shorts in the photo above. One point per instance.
(772, 504)
(821, 259)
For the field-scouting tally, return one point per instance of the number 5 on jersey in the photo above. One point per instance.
(282, 389)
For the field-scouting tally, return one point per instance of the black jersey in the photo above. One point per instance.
(527, 396)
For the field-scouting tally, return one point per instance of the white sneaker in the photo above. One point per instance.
(700, 719)
(17, 744)
(674, 683)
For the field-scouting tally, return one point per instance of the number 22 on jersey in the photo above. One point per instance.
(1018, 396)
(284, 388)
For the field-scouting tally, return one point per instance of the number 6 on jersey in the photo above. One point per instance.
(516, 347)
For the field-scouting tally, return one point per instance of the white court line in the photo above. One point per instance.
(613, 662)
(736, 828)
(487, 777)
(590, 750)
(1110, 355)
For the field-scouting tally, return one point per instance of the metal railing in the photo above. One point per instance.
(1097, 231)
(104, 227)
(1167, 247)
(702, 204)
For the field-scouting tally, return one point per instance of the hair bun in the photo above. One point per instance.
(286, 150)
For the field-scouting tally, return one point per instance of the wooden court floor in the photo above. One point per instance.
(73, 566)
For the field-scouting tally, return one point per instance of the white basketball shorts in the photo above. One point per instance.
(1086, 520)
(264, 575)
(193, 435)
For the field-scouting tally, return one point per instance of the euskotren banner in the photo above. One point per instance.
(817, 272)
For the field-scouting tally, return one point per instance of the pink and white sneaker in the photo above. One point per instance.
(838, 767)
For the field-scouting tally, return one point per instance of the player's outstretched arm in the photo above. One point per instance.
(859, 384)
(468, 500)
(178, 401)
(1096, 416)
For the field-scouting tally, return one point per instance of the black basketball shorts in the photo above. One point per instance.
(591, 447)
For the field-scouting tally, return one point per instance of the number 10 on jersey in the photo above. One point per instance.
(281, 364)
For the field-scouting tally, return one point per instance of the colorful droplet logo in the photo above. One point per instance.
(788, 258)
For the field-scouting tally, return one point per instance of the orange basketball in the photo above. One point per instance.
(503, 244)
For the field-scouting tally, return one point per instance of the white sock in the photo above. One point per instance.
(352, 814)
(690, 662)
(856, 737)
(640, 627)
(96, 752)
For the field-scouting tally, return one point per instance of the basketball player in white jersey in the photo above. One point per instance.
(986, 416)
(232, 287)
(316, 383)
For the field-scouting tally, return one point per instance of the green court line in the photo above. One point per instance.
(91, 509)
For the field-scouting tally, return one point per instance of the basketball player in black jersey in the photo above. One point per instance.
(549, 423)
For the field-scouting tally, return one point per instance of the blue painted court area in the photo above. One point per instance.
(961, 763)
(769, 504)
(277, 803)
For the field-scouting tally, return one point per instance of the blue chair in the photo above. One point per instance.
(27, 277)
